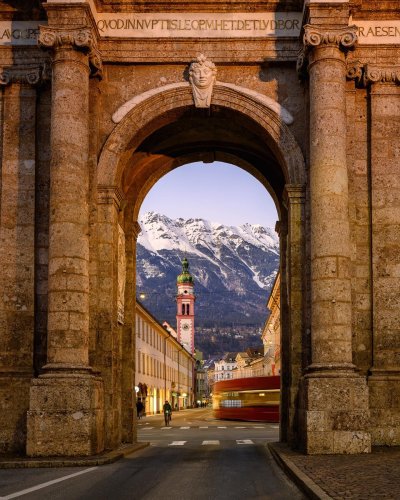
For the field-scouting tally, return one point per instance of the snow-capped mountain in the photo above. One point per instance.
(233, 268)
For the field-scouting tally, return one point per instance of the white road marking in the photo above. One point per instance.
(240, 427)
(204, 427)
(177, 443)
(185, 427)
(210, 442)
(221, 427)
(163, 428)
(48, 483)
(275, 426)
(259, 427)
(244, 441)
(148, 428)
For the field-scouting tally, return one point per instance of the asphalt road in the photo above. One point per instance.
(195, 458)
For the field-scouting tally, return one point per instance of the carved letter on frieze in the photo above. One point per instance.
(202, 75)
(342, 37)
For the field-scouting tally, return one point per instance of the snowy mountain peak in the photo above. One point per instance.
(233, 266)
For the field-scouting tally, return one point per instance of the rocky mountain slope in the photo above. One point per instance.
(233, 268)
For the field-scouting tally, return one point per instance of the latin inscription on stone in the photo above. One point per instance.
(195, 25)
(202, 25)
(19, 32)
(378, 32)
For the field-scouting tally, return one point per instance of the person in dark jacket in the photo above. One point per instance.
(139, 409)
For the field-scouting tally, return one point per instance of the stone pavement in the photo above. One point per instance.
(357, 477)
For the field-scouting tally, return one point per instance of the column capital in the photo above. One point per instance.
(368, 74)
(136, 229)
(80, 38)
(342, 37)
(51, 37)
(294, 193)
(108, 195)
(26, 74)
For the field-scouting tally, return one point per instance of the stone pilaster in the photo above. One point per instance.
(334, 397)
(295, 200)
(66, 407)
(17, 250)
(109, 331)
(129, 430)
(384, 381)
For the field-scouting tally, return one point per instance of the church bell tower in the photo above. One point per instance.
(185, 307)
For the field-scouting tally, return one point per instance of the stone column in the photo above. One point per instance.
(65, 416)
(384, 382)
(17, 244)
(334, 397)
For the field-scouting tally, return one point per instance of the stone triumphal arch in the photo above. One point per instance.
(101, 98)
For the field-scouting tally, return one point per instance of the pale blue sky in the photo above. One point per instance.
(217, 191)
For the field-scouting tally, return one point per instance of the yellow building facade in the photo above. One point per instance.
(164, 368)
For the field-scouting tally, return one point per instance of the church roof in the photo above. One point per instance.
(185, 276)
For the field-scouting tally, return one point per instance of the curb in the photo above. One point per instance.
(103, 459)
(304, 482)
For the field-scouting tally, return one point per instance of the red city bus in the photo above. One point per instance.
(254, 398)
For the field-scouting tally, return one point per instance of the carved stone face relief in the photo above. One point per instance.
(202, 74)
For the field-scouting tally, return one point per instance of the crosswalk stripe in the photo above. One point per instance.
(210, 442)
(221, 427)
(162, 428)
(240, 427)
(204, 427)
(177, 443)
(244, 441)
(148, 428)
(275, 426)
(259, 427)
(185, 427)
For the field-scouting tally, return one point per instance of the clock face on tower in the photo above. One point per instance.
(185, 327)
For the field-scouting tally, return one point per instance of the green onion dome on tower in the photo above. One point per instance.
(185, 276)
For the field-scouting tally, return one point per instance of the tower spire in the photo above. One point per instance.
(185, 307)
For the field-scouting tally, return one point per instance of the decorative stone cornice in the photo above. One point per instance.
(315, 36)
(294, 193)
(28, 75)
(136, 229)
(53, 38)
(367, 74)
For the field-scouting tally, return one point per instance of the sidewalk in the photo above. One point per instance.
(357, 477)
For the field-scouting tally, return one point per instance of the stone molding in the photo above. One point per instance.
(76, 38)
(25, 75)
(367, 74)
(107, 195)
(315, 36)
(136, 229)
(262, 99)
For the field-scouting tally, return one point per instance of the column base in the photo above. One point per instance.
(384, 398)
(334, 414)
(66, 415)
(14, 397)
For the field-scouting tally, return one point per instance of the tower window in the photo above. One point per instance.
(183, 309)
(187, 309)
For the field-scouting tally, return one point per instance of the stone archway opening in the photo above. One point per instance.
(236, 129)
